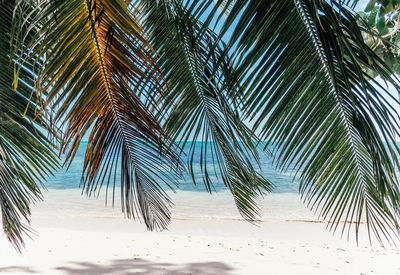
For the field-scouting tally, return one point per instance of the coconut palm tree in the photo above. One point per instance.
(138, 76)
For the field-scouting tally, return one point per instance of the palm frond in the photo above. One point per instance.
(301, 63)
(26, 155)
(95, 57)
(298, 69)
(204, 102)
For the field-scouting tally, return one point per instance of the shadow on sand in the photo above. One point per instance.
(134, 266)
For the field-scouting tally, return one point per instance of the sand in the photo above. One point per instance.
(98, 245)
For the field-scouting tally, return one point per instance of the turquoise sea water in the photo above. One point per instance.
(63, 196)
(283, 182)
(190, 201)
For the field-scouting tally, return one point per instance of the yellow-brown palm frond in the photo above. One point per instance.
(96, 56)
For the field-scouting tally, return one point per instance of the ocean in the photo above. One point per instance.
(63, 195)
(283, 181)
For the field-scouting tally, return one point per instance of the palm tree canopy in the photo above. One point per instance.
(138, 76)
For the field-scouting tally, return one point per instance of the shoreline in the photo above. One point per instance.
(89, 245)
(76, 235)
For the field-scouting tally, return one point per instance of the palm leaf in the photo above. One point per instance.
(26, 155)
(95, 57)
(204, 102)
(301, 63)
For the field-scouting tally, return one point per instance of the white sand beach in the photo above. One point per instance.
(92, 243)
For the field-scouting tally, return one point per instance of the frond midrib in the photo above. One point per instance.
(105, 77)
(349, 130)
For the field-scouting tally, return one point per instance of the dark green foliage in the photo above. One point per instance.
(203, 101)
(381, 24)
(302, 65)
(150, 73)
(26, 155)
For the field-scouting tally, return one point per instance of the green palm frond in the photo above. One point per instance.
(203, 102)
(297, 69)
(26, 156)
(95, 57)
(301, 63)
